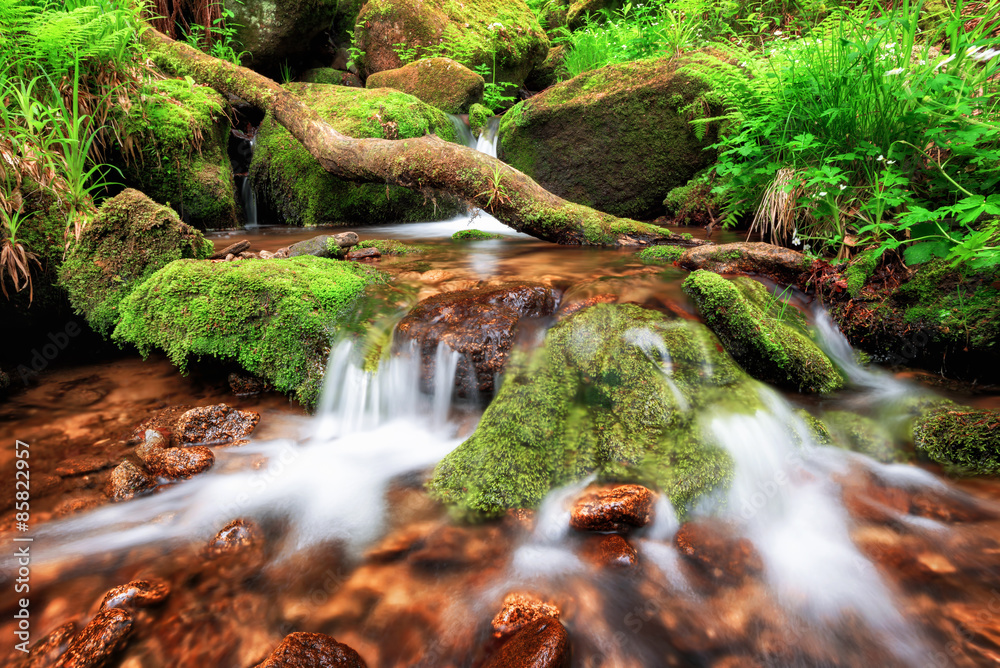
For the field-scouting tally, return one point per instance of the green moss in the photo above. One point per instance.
(393, 247)
(303, 193)
(479, 118)
(276, 318)
(864, 435)
(175, 151)
(328, 75)
(129, 239)
(440, 82)
(694, 203)
(599, 397)
(964, 440)
(474, 235)
(661, 254)
(859, 271)
(770, 350)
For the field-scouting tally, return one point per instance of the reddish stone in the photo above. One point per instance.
(615, 551)
(80, 465)
(364, 254)
(570, 308)
(46, 651)
(711, 547)
(234, 537)
(542, 643)
(214, 425)
(519, 609)
(312, 650)
(618, 508)
(135, 594)
(128, 481)
(94, 646)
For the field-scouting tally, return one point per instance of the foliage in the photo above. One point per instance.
(217, 36)
(861, 132)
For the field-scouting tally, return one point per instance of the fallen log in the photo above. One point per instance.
(428, 163)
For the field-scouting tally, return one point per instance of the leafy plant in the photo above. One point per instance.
(15, 259)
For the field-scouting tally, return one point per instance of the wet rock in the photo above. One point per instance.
(128, 481)
(173, 463)
(458, 547)
(330, 76)
(232, 249)
(610, 551)
(215, 425)
(245, 385)
(46, 651)
(312, 650)
(135, 594)
(234, 537)
(322, 246)
(568, 308)
(440, 82)
(345, 239)
(80, 465)
(76, 505)
(542, 643)
(97, 643)
(480, 324)
(519, 610)
(619, 508)
(963, 439)
(364, 254)
(164, 422)
(716, 553)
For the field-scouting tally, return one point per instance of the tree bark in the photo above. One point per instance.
(424, 163)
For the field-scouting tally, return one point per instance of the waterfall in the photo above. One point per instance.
(248, 196)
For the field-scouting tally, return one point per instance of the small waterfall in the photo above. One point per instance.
(248, 196)
(487, 141)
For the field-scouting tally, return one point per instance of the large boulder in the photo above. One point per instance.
(276, 318)
(175, 135)
(765, 338)
(440, 82)
(504, 35)
(962, 439)
(616, 390)
(615, 139)
(275, 32)
(291, 182)
(129, 239)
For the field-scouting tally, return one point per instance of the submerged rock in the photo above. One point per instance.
(762, 340)
(619, 508)
(128, 481)
(312, 650)
(129, 239)
(614, 139)
(214, 425)
(964, 440)
(276, 319)
(519, 610)
(479, 323)
(543, 643)
(135, 594)
(616, 390)
(236, 536)
(46, 651)
(863, 434)
(297, 187)
(475, 235)
(716, 552)
(611, 552)
(364, 254)
(96, 644)
(440, 82)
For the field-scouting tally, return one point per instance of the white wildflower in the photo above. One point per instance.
(894, 72)
(880, 158)
(890, 162)
(842, 186)
(796, 241)
(822, 193)
(777, 32)
(496, 25)
(986, 55)
(805, 249)
(945, 61)
(972, 50)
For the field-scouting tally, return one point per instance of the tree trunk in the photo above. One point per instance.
(425, 163)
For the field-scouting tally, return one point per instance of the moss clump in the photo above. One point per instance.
(474, 235)
(275, 318)
(328, 75)
(617, 390)
(292, 183)
(175, 151)
(613, 139)
(479, 118)
(769, 349)
(661, 254)
(864, 435)
(964, 440)
(393, 247)
(130, 238)
(440, 82)
(859, 271)
(694, 203)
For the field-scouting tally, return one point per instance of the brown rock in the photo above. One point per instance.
(571, 307)
(46, 651)
(164, 422)
(619, 508)
(231, 249)
(479, 323)
(75, 505)
(234, 537)
(80, 465)
(177, 463)
(127, 481)
(346, 239)
(312, 650)
(135, 594)
(99, 640)
(214, 425)
(519, 609)
(364, 254)
(543, 643)
(611, 551)
(458, 547)
(718, 555)
(245, 385)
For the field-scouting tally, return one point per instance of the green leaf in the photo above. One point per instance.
(925, 251)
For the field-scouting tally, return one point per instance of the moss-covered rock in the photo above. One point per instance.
(276, 318)
(290, 181)
(578, 10)
(504, 35)
(613, 139)
(964, 440)
(328, 75)
(273, 31)
(475, 235)
(694, 203)
(551, 70)
(661, 254)
(174, 150)
(393, 247)
(440, 82)
(768, 347)
(130, 239)
(479, 118)
(616, 390)
(863, 434)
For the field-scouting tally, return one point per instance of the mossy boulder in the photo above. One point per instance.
(614, 139)
(393, 247)
(763, 340)
(661, 254)
(290, 181)
(504, 35)
(276, 318)
(616, 390)
(440, 82)
(174, 150)
(863, 434)
(328, 75)
(694, 203)
(475, 235)
(479, 118)
(578, 10)
(275, 31)
(129, 239)
(964, 440)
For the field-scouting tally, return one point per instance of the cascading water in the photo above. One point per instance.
(247, 194)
